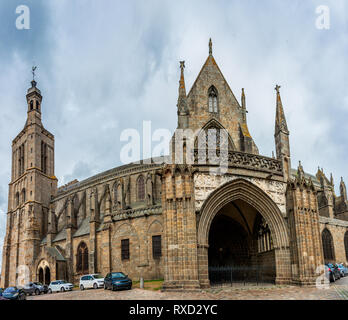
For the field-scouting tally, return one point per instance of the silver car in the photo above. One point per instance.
(94, 281)
(60, 285)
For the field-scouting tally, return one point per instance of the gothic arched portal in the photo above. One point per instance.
(228, 202)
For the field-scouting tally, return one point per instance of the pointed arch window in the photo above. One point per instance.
(17, 199)
(44, 157)
(23, 195)
(264, 239)
(213, 100)
(82, 258)
(346, 244)
(328, 246)
(141, 188)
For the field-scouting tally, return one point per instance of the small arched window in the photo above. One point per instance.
(31, 105)
(17, 199)
(23, 196)
(114, 190)
(328, 246)
(346, 244)
(141, 188)
(37, 105)
(213, 100)
(82, 258)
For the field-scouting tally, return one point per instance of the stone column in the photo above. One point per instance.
(306, 252)
(94, 225)
(181, 269)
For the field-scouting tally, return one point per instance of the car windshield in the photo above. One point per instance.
(38, 283)
(62, 282)
(118, 275)
(98, 276)
(10, 290)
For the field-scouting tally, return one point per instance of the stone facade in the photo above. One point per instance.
(153, 219)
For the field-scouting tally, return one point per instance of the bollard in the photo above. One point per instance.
(141, 283)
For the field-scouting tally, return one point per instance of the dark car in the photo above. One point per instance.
(1, 297)
(117, 280)
(35, 288)
(14, 293)
(334, 272)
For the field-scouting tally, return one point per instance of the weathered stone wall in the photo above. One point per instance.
(338, 229)
(205, 184)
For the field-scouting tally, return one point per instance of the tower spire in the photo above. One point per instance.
(182, 103)
(243, 99)
(210, 47)
(34, 99)
(182, 88)
(280, 124)
(343, 190)
(281, 136)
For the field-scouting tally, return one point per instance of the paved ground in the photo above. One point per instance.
(337, 291)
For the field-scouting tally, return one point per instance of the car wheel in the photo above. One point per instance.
(37, 292)
(62, 289)
(95, 286)
(82, 287)
(49, 291)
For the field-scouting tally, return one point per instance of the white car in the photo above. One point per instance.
(94, 281)
(59, 285)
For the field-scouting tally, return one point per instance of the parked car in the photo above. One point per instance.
(35, 288)
(14, 293)
(59, 285)
(343, 269)
(1, 297)
(334, 272)
(117, 280)
(94, 281)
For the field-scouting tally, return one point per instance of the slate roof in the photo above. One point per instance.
(60, 236)
(54, 252)
(83, 229)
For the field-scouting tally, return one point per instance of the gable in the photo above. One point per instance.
(229, 113)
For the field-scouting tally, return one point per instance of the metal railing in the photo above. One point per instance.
(241, 275)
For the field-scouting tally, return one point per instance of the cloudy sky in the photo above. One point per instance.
(105, 66)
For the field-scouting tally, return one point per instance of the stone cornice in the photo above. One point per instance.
(237, 159)
(333, 221)
(136, 213)
(27, 172)
(106, 177)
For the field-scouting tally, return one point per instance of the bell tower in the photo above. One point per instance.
(32, 185)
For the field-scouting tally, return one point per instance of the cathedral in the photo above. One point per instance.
(174, 220)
